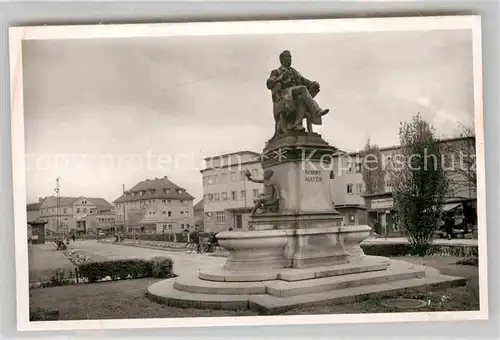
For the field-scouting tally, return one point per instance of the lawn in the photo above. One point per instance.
(113, 300)
(44, 260)
(126, 299)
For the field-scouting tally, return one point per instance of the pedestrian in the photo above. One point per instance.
(74, 238)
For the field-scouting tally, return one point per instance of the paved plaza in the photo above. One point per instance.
(183, 263)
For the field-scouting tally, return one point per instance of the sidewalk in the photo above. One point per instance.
(399, 240)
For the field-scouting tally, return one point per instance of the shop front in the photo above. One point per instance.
(381, 215)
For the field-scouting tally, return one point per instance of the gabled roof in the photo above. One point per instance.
(51, 201)
(157, 187)
(200, 206)
(99, 202)
(33, 206)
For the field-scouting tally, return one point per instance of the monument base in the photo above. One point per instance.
(278, 291)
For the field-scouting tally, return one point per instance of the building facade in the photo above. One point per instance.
(155, 206)
(70, 214)
(227, 194)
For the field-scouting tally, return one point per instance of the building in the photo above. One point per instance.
(199, 213)
(69, 214)
(350, 198)
(155, 206)
(33, 210)
(227, 194)
(224, 183)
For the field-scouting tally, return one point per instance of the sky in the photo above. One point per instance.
(102, 113)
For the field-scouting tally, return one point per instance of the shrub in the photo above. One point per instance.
(162, 267)
(124, 269)
(403, 249)
(470, 261)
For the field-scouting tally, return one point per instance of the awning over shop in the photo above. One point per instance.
(450, 206)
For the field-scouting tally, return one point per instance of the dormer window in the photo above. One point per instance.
(179, 191)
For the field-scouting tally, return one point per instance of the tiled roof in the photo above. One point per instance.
(200, 205)
(99, 202)
(157, 185)
(51, 201)
(33, 206)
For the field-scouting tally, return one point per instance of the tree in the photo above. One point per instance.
(372, 169)
(419, 183)
(461, 156)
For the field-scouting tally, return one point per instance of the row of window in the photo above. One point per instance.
(234, 176)
(229, 196)
(218, 217)
(170, 227)
(350, 188)
(152, 192)
(144, 203)
(184, 213)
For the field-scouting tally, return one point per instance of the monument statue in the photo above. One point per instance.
(293, 98)
(269, 199)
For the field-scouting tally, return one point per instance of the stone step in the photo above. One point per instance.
(266, 304)
(193, 284)
(396, 271)
(367, 264)
(164, 292)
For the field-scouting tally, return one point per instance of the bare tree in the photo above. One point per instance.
(372, 169)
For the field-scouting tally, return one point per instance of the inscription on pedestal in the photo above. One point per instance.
(313, 176)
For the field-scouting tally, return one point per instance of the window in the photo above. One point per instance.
(164, 212)
(179, 191)
(220, 217)
(349, 188)
(182, 225)
(169, 214)
(359, 188)
(210, 180)
(224, 196)
(169, 201)
(164, 201)
(84, 210)
(255, 193)
(182, 212)
(242, 175)
(217, 197)
(234, 195)
(210, 197)
(65, 210)
(358, 168)
(243, 195)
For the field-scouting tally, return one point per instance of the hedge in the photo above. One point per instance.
(159, 267)
(403, 249)
(167, 237)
